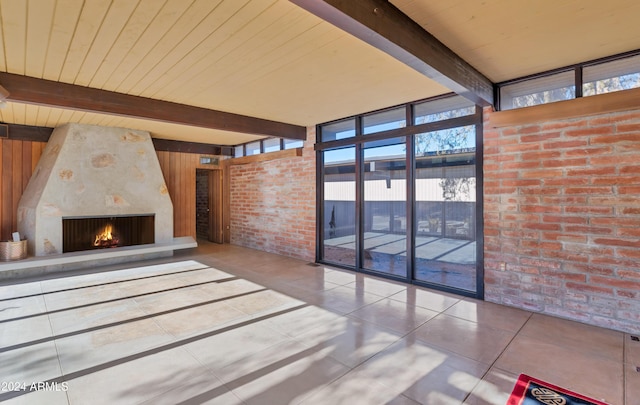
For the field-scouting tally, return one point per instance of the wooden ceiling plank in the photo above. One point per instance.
(39, 24)
(90, 21)
(19, 113)
(45, 92)
(111, 28)
(215, 61)
(42, 116)
(212, 29)
(65, 18)
(147, 21)
(273, 45)
(161, 36)
(382, 25)
(305, 41)
(14, 17)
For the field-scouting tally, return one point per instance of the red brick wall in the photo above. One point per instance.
(562, 214)
(273, 204)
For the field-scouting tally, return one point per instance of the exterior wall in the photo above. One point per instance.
(562, 218)
(273, 204)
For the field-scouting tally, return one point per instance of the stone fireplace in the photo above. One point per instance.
(93, 179)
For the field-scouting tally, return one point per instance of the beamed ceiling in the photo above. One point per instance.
(265, 66)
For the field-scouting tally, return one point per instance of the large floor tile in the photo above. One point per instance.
(12, 309)
(143, 379)
(494, 389)
(263, 302)
(587, 339)
(376, 286)
(489, 314)
(350, 341)
(312, 284)
(301, 320)
(343, 300)
(234, 345)
(424, 373)
(87, 350)
(435, 301)
(121, 273)
(353, 389)
(199, 320)
(39, 398)
(203, 391)
(94, 316)
(588, 374)
(632, 384)
(340, 277)
(33, 363)
(10, 290)
(470, 339)
(206, 275)
(64, 300)
(285, 373)
(173, 300)
(395, 315)
(23, 331)
(230, 289)
(632, 349)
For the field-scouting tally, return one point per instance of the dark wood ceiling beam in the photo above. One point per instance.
(25, 132)
(382, 25)
(32, 133)
(31, 90)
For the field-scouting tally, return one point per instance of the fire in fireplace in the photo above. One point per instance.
(106, 238)
(106, 232)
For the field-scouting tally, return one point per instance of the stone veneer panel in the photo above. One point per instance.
(88, 170)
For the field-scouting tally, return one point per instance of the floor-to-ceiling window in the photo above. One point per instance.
(399, 192)
(385, 201)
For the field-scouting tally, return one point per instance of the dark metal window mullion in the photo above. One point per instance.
(578, 81)
(359, 203)
(479, 205)
(319, 203)
(411, 196)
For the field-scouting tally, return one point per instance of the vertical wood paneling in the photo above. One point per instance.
(7, 189)
(1, 187)
(27, 168)
(179, 170)
(17, 182)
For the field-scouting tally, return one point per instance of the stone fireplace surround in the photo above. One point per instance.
(92, 171)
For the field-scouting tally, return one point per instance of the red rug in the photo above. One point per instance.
(531, 391)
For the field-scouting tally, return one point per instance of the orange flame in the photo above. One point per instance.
(104, 236)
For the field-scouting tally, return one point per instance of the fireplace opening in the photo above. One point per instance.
(88, 233)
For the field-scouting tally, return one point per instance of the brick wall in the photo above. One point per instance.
(273, 206)
(562, 218)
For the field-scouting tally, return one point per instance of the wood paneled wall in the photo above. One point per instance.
(18, 159)
(179, 171)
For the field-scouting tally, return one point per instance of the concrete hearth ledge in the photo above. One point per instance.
(45, 265)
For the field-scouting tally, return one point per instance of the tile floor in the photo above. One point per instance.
(229, 325)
